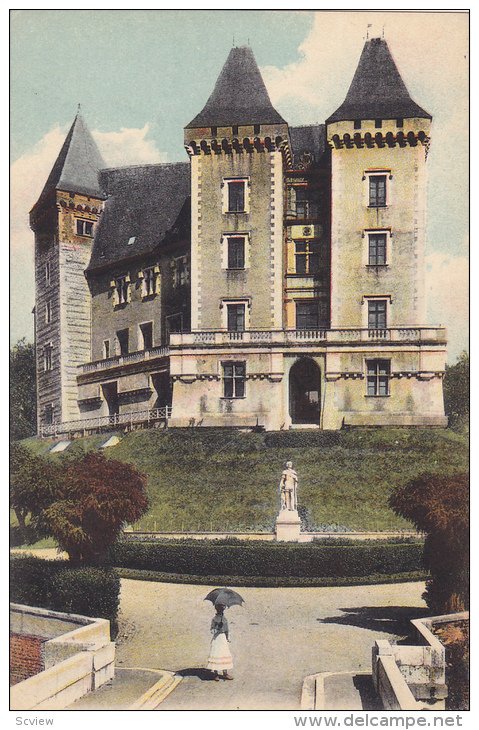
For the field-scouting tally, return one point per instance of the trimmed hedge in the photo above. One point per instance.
(55, 585)
(303, 560)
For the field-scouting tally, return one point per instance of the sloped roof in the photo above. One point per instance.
(77, 165)
(377, 90)
(239, 96)
(310, 138)
(144, 202)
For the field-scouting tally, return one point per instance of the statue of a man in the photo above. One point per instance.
(288, 487)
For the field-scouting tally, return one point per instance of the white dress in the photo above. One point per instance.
(220, 658)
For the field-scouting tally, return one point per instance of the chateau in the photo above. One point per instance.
(274, 279)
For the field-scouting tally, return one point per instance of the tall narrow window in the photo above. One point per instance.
(377, 314)
(106, 349)
(181, 273)
(48, 311)
(306, 257)
(123, 337)
(378, 375)
(49, 414)
(236, 252)
(236, 317)
(146, 331)
(48, 357)
(377, 249)
(377, 191)
(149, 282)
(307, 315)
(122, 290)
(236, 196)
(234, 379)
(48, 272)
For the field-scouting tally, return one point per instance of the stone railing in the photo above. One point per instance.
(104, 423)
(283, 337)
(118, 360)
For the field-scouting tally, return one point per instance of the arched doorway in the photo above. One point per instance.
(304, 392)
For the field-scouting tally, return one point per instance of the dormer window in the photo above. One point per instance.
(84, 228)
(121, 290)
(150, 284)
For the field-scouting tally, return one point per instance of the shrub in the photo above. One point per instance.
(268, 559)
(54, 584)
(439, 506)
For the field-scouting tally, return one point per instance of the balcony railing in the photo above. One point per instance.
(131, 357)
(282, 337)
(108, 423)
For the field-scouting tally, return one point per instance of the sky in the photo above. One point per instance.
(141, 76)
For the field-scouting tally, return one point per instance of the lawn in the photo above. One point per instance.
(228, 480)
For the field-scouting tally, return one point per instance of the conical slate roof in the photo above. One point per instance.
(77, 165)
(239, 96)
(377, 90)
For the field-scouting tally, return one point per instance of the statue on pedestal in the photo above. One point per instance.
(288, 487)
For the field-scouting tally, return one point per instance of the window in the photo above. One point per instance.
(146, 332)
(256, 128)
(307, 314)
(236, 252)
(377, 191)
(181, 272)
(234, 379)
(151, 281)
(48, 311)
(123, 337)
(377, 314)
(399, 122)
(106, 349)
(377, 249)
(378, 123)
(49, 414)
(305, 206)
(236, 196)
(378, 375)
(306, 254)
(357, 124)
(214, 131)
(84, 228)
(47, 357)
(234, 129)
(236, 317)
(48, 272)
(121, 290)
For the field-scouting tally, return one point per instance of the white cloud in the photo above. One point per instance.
(448, 298)
(28, 176)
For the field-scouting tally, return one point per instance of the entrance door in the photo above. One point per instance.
(304, 392)
(110, 394)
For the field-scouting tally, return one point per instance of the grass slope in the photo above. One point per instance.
(215, 480)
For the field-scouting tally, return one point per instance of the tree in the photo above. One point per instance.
(438, 505)
(23, 399)
(34, 483)
(456, 390)
(96, 498)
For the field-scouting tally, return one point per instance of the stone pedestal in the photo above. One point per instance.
(288, 526)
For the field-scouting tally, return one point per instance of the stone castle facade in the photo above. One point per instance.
(276, 279)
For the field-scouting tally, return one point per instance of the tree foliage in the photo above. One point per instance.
(96, 498)
(23, 401)
(456, 390)
(439, 506)
(34, 483)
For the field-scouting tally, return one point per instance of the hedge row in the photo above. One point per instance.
(55, 585)
(269, 559)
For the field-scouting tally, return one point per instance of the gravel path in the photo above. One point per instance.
(278, 637)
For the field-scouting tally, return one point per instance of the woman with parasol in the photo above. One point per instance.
(220, 659)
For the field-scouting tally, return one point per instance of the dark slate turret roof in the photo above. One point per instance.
(77, 166)
(239, 96)
(144, 203)
(377, 90)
